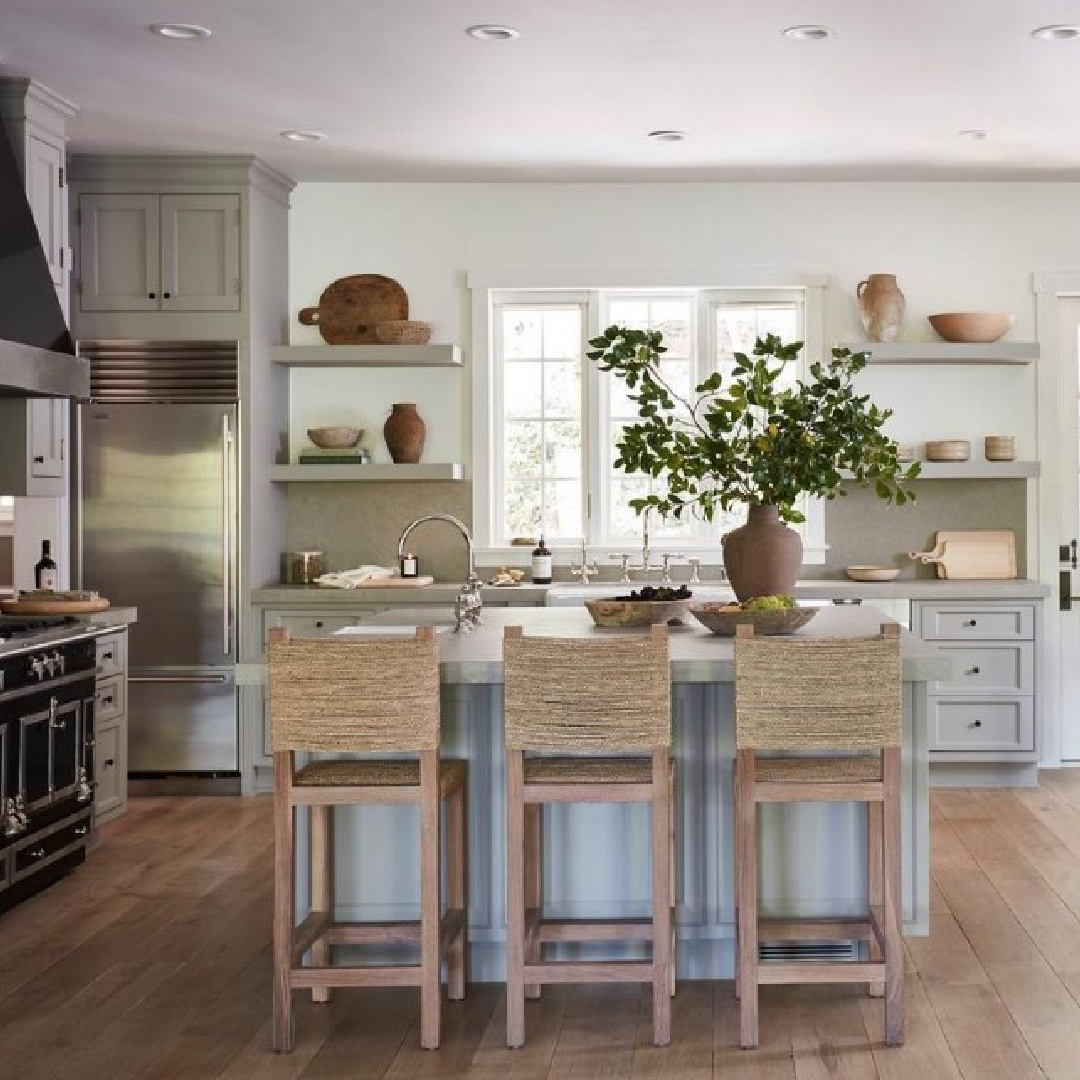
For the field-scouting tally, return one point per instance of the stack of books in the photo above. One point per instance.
(313, 456)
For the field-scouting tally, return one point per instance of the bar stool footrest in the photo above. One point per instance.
(815, 930)
(816, 971)
(589, 971)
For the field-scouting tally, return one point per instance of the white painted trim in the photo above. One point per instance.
(1057, 283)
(677, 277)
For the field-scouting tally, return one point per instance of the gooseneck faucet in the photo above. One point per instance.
(469, 604)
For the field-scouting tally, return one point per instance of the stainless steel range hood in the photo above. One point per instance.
(37, 356)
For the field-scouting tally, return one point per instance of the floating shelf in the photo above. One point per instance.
(287, 474)
(946, 352)
(975, 470)
(319, 356)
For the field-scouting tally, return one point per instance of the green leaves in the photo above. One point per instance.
(753, 441)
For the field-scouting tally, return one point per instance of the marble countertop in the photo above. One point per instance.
(697, 656)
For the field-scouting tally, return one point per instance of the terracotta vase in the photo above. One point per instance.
(404, 432)
(762, 557)
(882, 306)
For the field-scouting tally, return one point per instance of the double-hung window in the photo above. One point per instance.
(547, 421)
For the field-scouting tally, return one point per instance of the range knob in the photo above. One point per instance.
(37, 667)
(58, 660)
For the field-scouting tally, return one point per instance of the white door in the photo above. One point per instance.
(200, 252)
(1069, 528)
(119, 252)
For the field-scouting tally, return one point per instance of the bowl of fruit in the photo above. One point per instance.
(766, 614)
(642, 607)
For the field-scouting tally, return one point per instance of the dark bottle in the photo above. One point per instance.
(46, 574)
(541, 564)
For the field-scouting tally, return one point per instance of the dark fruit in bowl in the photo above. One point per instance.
(657, 592)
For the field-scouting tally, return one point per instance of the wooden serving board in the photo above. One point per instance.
(350, 308)
(53, 607)
(971, 554)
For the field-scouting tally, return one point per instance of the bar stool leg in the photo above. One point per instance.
(321, 889)
(515, 900)
(746, 890)
(875, 884)
(430, 929)
(894, 952)
(456, 870)
(534, 883)
(661, 819)
(284, 903)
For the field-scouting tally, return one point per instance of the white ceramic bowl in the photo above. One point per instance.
(872, 573)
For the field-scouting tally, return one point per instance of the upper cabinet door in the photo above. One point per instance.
(45, 193)
(200, 252)
(120, 252)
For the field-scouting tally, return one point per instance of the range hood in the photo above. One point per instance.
(37, 356)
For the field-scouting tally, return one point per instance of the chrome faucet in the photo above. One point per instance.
(586, 569)
(469, 603)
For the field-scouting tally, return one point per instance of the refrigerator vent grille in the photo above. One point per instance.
(179, 371)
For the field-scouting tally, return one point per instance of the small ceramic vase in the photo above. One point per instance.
(882, 305)
(404, 432)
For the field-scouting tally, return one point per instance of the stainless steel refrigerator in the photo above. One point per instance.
(157, 529)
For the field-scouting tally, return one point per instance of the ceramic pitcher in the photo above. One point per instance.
(882, 306)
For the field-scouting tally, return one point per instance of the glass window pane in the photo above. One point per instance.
(562, 509)
(782, 321)
(625, 523)
(736, 329)
(522, 391)
(562, 389)
(619, 403)
(521, 508)
(522, 333)
(562, 334)
(524, 448)
(562, 448)
(672, 319)
(629, 313)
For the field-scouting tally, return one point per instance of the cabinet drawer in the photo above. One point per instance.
(52, 844)
(107, 794)
(982, 725)
(973, 622)
(109, 698)
(110, 656)
(993, 668)
(310, 624)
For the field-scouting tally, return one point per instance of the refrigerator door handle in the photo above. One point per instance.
(226, 536)
(178, 678)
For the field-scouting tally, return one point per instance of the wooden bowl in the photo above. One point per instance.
(626, 613)
(972, 326)
(334, 438)
(781, 621)
(872, 573)
(403, 332)
(948, 450)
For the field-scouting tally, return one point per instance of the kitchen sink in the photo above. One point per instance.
(570, 595)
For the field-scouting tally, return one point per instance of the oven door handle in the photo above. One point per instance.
(178, 679)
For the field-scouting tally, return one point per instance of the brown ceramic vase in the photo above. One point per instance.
(882, 306)
(762, 557)
(404, 432)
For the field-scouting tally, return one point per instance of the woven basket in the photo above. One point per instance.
(403, 332)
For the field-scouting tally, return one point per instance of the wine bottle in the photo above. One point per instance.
(541, 563)
(46, 573)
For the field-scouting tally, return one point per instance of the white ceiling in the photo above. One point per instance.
(404, 94)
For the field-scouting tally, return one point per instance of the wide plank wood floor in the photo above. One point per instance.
(152, 962)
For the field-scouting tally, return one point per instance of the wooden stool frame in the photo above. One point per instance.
(875, 781)
(526, 929)
(440, 936)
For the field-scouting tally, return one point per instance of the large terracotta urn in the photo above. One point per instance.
(404, 433)
(762, 557)
(882, 306)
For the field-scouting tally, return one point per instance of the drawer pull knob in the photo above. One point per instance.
(108, 763)
(319, 623)
(37, 853)
(971, 622)
(976, 723)
(973, 671)
(81, 830)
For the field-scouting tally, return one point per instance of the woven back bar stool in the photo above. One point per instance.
(580, 702)
(821, 696)
(362, 697)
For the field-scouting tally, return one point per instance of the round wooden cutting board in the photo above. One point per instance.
(350, 308)
(53, 607)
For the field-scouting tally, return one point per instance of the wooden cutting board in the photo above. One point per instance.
(53, 607)
(973, 553)
(350, 308)
(397, 582)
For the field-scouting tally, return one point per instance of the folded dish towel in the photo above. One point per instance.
(349, 579)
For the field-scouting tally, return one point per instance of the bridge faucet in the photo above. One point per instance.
(469, 603)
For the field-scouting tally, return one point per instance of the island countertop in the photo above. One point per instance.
(697, 655)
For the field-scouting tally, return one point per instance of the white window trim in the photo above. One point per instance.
(482, 284)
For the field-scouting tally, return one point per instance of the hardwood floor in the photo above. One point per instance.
(165, 974)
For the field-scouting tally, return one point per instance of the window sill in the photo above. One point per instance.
(609, 554)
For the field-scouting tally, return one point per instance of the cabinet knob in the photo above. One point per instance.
(167, 296)
(971, 622)
(152, 295)
(39, 459)
(976, 723)
(973, 671)
(108, 763)
(319, 623)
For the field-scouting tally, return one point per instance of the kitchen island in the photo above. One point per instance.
(813, 856)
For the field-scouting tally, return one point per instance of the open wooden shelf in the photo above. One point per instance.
(976, 470)
(318, 356)
(946, 352)
(288, 474)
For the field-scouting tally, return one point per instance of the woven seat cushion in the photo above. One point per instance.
(347, 772)
(586, 770)
(818, 770)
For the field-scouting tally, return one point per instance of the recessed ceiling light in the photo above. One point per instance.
(667, 135)
(973, 134)
(808, 33)
(303, 136)
(493, 32)
(1057, 32)
(179, 31)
